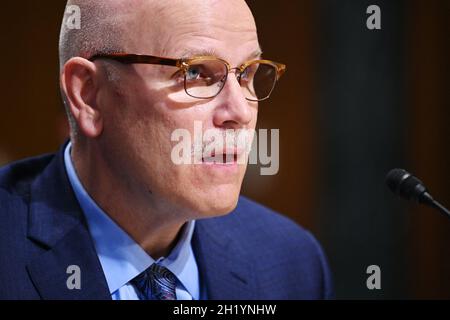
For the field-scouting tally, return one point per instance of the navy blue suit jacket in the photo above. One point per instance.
(252, 253)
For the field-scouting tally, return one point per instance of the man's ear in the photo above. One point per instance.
(79, 83)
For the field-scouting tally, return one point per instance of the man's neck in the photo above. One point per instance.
(156, 232)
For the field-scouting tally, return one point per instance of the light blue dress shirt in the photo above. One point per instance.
(122, 259)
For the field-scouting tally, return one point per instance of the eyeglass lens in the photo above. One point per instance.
(206, 78)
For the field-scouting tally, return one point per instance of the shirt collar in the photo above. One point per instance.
(122, 259)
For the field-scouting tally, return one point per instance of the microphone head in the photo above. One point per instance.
(407, 186)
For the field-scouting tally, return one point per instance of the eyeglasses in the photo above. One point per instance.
(205, 76)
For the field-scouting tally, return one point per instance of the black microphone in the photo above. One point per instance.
(407, 186)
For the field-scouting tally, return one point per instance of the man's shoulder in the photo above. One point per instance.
(16, 180)
(257, 226)
(289, 261)
(15, 185)
(16, 177)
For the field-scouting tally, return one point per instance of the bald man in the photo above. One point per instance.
(113, 215)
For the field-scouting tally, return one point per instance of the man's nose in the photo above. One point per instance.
(233, 110)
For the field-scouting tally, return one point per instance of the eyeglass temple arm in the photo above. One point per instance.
(136, 58)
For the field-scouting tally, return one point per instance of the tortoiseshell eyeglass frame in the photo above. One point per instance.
(183, 65)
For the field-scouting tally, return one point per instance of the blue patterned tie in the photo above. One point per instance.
(156, 283)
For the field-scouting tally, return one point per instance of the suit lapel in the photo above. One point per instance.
(56, 223)
(52, 276)
(222, 265)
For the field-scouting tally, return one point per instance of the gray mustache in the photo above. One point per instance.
(232, 139)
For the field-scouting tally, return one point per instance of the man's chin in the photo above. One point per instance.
(217, 207)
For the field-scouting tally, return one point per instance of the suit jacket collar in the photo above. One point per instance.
(56, 223)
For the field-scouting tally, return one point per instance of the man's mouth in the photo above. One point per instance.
(227, 157)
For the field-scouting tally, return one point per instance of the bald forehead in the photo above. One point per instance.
(163, 27)
(167, 11)
(186, 26)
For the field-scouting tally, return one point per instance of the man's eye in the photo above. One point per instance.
(193, 73)
(248, 73)
(244, 75)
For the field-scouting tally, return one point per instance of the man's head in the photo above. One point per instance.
(124, 114)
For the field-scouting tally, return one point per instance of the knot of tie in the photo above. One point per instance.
(156, 283)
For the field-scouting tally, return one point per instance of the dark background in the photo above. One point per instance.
(353, 104)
